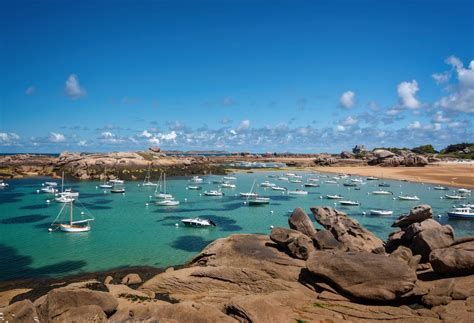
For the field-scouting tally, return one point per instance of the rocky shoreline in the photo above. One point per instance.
(134, 165)
(422, 273)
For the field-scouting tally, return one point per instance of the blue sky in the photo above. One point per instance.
(301, 76)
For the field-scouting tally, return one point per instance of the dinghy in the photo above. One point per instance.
(278, 188)
(213, 193)
(334, 197)
(298, 192)
(382, 192)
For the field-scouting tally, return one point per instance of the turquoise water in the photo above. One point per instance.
(126, 232)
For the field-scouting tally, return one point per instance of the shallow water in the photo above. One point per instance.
(126, 232)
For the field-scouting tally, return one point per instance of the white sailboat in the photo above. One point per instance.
(146, 181)
(408, 198)
(267, 184)
(213, 193)
(196, 179)
(250, 194)
(66, 196)
(71, 226)
(381, 192)
(298, 192)
(349, 203)
(454, 197)
(334, 197)
(106, 184)
(167, 202)
(160, 191)
(253, 199)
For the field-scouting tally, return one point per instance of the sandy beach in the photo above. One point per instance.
(460, 175)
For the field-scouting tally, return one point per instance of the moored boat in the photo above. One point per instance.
(71, 226)
(267, 184)
(372, 178)
(194, 187)
(334, 197)
(3, 184)
(408, 198)
(198, 222)
(227, 185)
(464, 191)
(311, 185)
(461, 213)
(349, 203)
(196, 179)
(213, 193)
(381, 212)
(278, 188)
(350, 184)
(298, 192)
(454, 197)
(330, 182)
(258, 201)
(167, 203)
(441, 188)
(381, 192)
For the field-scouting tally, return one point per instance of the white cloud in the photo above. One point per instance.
(171, 136)
(415, 125)
(461, 97)
(340, 128)
(111, 138)
(146, 134)
(347, 99)
(8, 138)
(349, 121)
(82, 143)
(441, 78)
(393, 112)
(30, 90)
(244, 125)
(440, 118)
(407, 92)
(73, 88)
(56, 137)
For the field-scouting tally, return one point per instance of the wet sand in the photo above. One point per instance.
(460, 175)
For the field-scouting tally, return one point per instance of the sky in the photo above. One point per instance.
(279, 76)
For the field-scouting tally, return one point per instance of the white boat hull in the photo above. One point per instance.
(74, 228)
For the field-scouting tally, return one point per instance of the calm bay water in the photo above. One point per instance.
(126, 232)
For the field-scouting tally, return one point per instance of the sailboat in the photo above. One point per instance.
(249, 194)
(106, 184)
(146, 181)
(66, 196)
(160, 191)
(71, 226)
(254, 199)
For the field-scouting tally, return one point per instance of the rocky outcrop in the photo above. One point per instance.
(131, 279)
(364, 275)
(298, 244)
(458, 259)
(347, 155)
(325, 160)
(347, 231)
(301, 222)
(420, 233)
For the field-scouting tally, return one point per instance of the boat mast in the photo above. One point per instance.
(70, 214)
(164, 183)
(62, 183)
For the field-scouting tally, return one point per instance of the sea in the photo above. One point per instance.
(130, 230)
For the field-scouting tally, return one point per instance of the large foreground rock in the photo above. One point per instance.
(428, 240)
(417, 214)
(364, 275)
(61, 301)
(22, 311)
(348, 231)
(455, 260)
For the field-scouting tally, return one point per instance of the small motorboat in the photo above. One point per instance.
(468, 205)
(441, 188)
(382, 192)
(311, 185)
(383, 184)
(282, 178)
(372, 178)
(461, 213)
(258, 201)
(296, 181)
(330, 182)
(69, 192)
(267, 184)
(196, 179)
(454, 197)
(350, 184)
(334, 197)
(290, 174)
(3, 184)
(381, 212)
(349, 203)
(64, 199)
(298, 192)
(106, 186)
(464, 191)
(116, 181)
(313, 180)
(53, 184)
(408, 198)
(356, 180)
(213, 193)
(278, 188)
(49, 190)
(218, 181)
(227, 185)
(197, 222)
(230, 178)
(164, 196)
(194, 187)
(117, 188)
(167, 203)
(248, 194)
